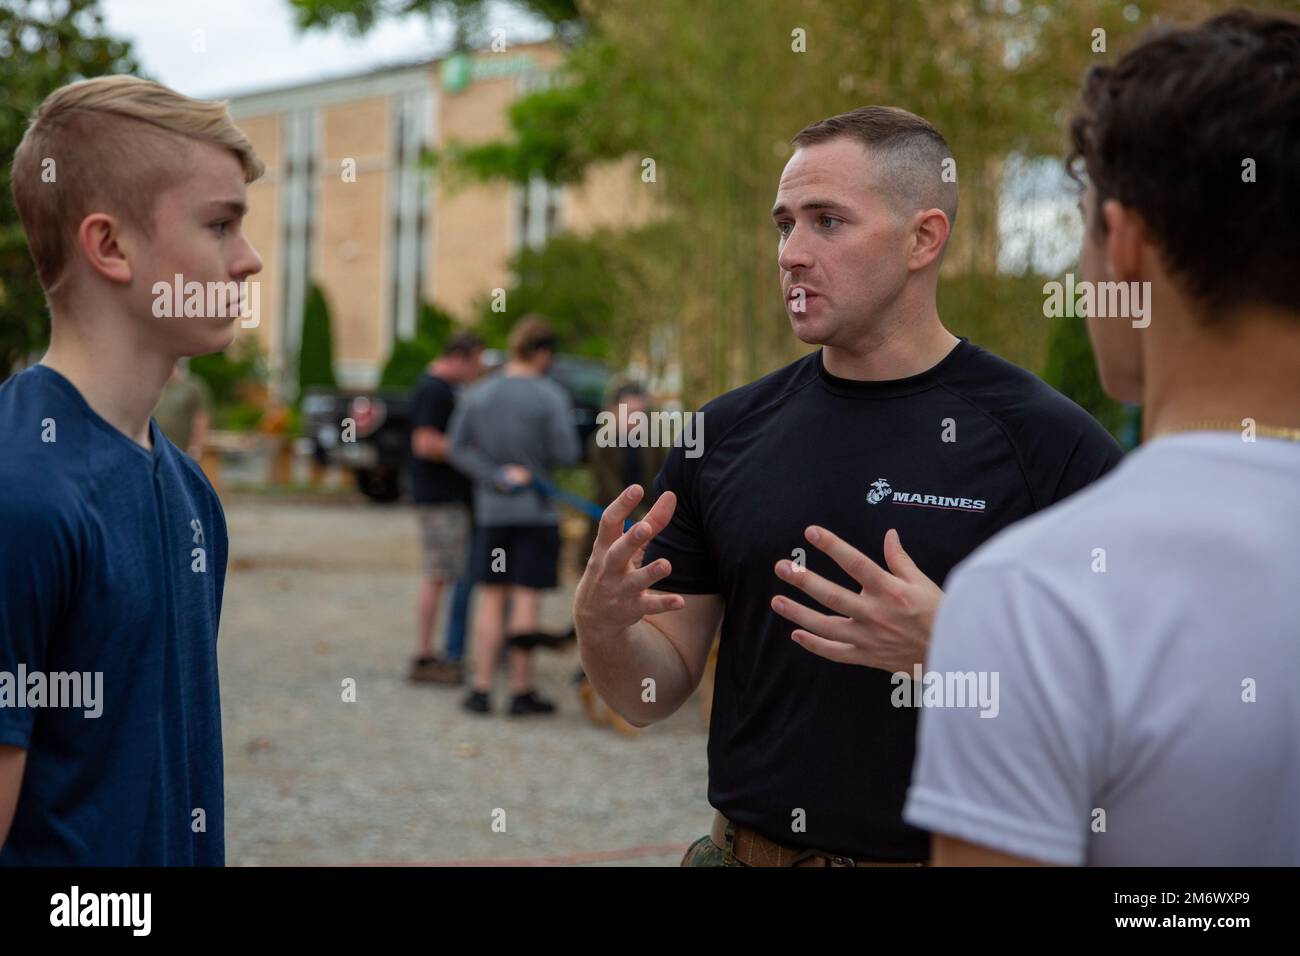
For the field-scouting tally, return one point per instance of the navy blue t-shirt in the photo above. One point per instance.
(112, 563)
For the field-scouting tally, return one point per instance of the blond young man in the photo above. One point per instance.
(113, 555)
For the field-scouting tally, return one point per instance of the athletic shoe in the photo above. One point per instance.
(434, 670)
(522, 705)
(477, 703)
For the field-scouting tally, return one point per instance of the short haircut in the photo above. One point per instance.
(530, 334)
(463, 344)
(911, 152)
(111, 144)
(628, 390)
(1167, 131)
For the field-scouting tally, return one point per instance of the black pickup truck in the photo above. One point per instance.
(379, 455)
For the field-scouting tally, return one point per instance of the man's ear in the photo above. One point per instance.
(1125, 237)
(99, 238)
(928, 237)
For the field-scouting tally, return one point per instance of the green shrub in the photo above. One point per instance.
(240, 418)
(408, 360)
(434, 325)
(569, 282)
(225, 371)
(316, 354)
(1004, 314)
(1072, 370)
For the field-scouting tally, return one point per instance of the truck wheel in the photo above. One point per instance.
(379, 484)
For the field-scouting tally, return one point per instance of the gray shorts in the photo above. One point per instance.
(445, 535)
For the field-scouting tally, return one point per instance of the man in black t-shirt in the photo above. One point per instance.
(807, 486)
(444, 501)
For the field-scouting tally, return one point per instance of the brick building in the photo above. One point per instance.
(345, 204)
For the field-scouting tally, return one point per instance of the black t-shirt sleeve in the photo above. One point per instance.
(1059, 447)
(432, 406)
(1094, 453)
(683, 542)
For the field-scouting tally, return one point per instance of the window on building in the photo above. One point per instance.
(538, 207)
(300, 149)
(409, 214)
(538, 214)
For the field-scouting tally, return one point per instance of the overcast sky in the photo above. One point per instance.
(253, 44)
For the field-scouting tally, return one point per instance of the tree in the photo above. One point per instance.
(467, 16)
(434, 325)
(705, 95)
(407, 361)
(316, 354)
(1072, 370)
(410, 356)
(44, 44)
(570, 281)
(225, 372)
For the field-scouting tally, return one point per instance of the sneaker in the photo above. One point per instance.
(529, 703)
(434, 670)
(477, 703)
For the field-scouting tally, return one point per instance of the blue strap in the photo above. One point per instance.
(589, 508)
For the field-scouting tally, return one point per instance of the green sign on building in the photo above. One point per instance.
(459, 70)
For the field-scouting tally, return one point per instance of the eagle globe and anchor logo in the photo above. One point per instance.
(880, 490)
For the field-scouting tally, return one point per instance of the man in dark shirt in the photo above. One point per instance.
(112, 543)
(894, 431)
(444, 499)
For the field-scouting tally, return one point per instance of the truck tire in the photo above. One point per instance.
(379, 484)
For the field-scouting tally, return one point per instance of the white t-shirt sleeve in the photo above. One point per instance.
(1020, 782)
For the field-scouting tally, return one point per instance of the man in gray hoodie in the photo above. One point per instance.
(507, 433)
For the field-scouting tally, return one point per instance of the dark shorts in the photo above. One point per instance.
(523, 555)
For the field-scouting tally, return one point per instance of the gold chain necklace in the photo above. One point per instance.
(1268, 431)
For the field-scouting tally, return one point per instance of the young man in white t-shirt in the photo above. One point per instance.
(1145, 633)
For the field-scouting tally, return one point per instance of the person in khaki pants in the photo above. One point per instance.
(443, 500)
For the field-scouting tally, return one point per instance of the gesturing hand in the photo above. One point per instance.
(613, 595)
(886, 624)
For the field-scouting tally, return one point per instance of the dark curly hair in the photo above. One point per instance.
(1167, 131)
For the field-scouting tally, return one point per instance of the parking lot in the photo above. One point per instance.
(322, 591)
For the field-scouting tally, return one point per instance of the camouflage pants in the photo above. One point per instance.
(704, 852)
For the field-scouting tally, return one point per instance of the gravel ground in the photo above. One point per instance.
(320, 592)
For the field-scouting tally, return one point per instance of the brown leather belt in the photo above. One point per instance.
(753, 849)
